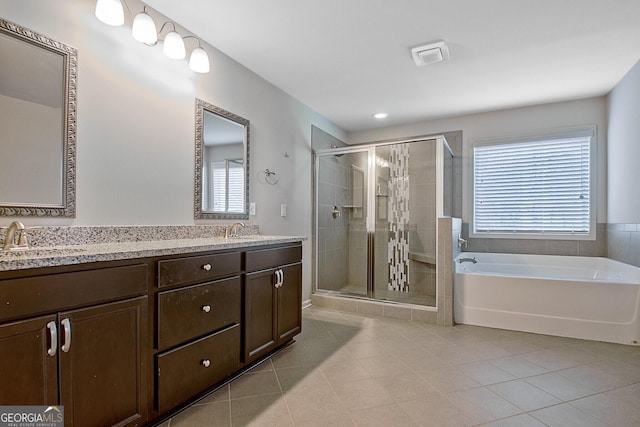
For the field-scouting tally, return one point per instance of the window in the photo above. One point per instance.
(540, 187)
(228, 186)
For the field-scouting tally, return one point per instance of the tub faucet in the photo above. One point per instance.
(10, 237)
(461, 242)
(233, 232)
(471, 260)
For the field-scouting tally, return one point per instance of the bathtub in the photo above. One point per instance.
(579, 297)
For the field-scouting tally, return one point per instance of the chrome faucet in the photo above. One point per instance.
(10, 237)
(462, 243)
(472, 260)
(233, 232)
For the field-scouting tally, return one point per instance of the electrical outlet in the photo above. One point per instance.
(252, 208)
(283, 209)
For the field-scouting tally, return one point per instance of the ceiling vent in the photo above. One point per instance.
(430, 53)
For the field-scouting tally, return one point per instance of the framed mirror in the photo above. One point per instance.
(222, 164)
(38, 121)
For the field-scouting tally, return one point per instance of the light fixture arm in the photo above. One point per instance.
(193, 37)
(165, 24)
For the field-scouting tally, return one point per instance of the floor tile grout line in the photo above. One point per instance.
(282, 393)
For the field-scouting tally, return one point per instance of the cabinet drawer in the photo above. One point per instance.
(194, 311)
(29, 296)
(267, 258)
(195, 269)
(184, 372)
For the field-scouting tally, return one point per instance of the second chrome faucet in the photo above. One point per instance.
(10, 237)
(233, 231)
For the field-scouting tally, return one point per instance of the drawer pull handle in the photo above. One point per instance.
(206, 308)
(206, 363)
(66, 325)
(206, 267)
(53, 332)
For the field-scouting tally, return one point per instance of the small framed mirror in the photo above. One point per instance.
(38, 122)
(221, 164)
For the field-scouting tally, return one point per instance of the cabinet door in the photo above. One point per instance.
(29, 373)
(102, 380)
(290, 303)
(259, 314)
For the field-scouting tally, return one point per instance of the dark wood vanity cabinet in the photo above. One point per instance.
(272, 299)
(85, 348)
(198, 325)
(127, 343)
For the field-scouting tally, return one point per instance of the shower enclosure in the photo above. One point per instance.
(376, 209)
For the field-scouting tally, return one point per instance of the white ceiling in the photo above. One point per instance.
(348, 59)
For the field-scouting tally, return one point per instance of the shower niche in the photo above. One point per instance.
(383, 246)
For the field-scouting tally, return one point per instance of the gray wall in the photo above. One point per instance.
(510, 123)
(135, 138)
(623, 106)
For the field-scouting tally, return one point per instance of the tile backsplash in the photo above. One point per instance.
(620, 242)
(78, 235)
(623, 243)
(595, 248)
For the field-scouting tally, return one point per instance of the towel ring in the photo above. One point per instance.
(270, 177)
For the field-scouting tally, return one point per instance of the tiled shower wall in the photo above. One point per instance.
(332, 256)
(422, 209)
(332, 233)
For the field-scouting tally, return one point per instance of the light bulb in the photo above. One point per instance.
(110, 12)
(199, 61)
(174, 46)
(144, 29)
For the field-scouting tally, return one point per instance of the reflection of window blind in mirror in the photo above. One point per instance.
(206, 201)
(227, 184)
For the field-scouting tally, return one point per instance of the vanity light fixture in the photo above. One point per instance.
(199, 60)
(110, 12)
(144, 30)
(173, 45)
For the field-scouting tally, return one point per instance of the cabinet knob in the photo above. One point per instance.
(206, 308)
(207, 267)
(206, 363)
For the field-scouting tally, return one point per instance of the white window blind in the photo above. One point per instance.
(538, 187)
(228, 186)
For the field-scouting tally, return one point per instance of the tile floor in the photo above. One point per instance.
(353, 370)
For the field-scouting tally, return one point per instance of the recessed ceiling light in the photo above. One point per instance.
(380, 115)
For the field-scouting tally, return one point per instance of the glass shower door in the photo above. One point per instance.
(376, 213)
(342, 200)
(405, 222)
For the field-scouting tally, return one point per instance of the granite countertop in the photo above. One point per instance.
(35, 257)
